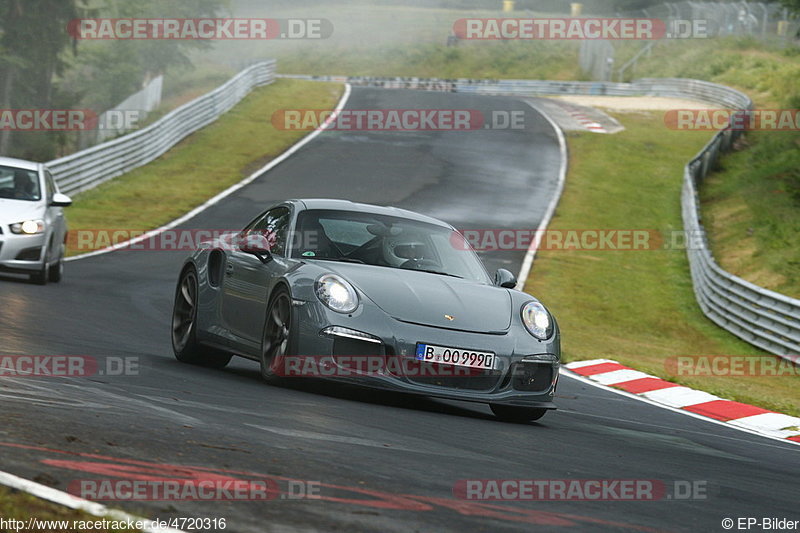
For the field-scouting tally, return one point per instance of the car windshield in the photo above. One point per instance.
(19, 184)
(387, 241)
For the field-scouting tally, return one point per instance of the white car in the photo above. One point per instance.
(33, 230)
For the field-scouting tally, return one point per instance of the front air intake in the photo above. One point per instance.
(30, 254)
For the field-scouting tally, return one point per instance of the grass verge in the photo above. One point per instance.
(752, 212)
(202, 165)
(768, 73)
(23, 507)
(751, 207)
(638, 307)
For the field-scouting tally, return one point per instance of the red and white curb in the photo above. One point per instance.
(585, 121)
(740, 415)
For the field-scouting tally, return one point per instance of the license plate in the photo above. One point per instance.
(431, 353)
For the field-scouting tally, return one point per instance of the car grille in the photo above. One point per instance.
(531, 377)
(450, 377)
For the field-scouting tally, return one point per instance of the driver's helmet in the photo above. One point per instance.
(399, 250)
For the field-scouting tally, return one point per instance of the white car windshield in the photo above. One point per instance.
(19, 184)
(386, 241)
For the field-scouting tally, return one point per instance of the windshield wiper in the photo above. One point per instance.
(434, 272)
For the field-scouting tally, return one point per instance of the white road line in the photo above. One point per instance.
(230, 190)
(73, 502)
(527, 263)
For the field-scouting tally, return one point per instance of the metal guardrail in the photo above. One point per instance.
(86, 169)
(759, 316)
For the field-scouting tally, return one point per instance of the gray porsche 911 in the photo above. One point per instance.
(377, 296)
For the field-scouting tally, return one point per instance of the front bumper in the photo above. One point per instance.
(525, 370)
(22, 253)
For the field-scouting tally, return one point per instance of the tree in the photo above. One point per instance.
(107, 72)
(34, 42)
(32, 39)
(792, 5)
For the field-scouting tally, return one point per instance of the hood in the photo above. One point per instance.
(13, 211)
(425, 298)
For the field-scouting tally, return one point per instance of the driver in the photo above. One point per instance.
(24, 186)
(403, 253)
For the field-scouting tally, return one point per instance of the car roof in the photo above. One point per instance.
(347, 205)
(18, 163)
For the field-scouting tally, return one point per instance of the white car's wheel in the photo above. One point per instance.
(56, 271)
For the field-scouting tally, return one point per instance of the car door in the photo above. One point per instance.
(248, 278)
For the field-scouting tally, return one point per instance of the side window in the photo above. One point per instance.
(275, 225)
(50, 184)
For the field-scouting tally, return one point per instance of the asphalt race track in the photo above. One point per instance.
(381, 462)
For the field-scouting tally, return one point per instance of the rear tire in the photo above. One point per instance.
(509, 413)
(184, 327)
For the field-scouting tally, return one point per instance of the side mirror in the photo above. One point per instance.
(257, 245)
(61, 200)
(504, 278)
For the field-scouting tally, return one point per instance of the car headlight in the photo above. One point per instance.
(537, 320)
(336, 293)
(28, 227)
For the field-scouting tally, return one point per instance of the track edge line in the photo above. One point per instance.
(64, 499)
(530, 255)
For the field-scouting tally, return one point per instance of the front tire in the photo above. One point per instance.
(184, 327)
(56, 271)
(276, 342)
(41, 276)
(509, 413)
